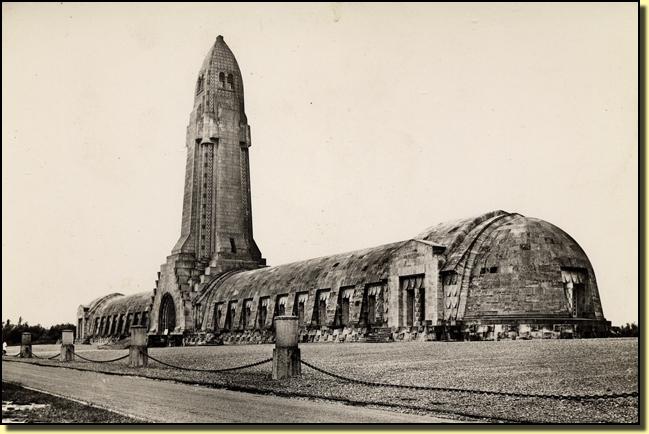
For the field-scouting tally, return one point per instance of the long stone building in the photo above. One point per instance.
(498, 274)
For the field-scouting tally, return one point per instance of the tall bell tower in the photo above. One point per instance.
(216, 232)
(217, 213)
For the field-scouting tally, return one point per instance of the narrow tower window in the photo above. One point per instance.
(233, 246)
(199, 85)
(230, 81)
(221, 79)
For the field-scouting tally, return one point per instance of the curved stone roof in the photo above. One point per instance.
(520, 246)
(351, 268)
(453, 232)
(531, 256)
(121, 304)
(98, 302)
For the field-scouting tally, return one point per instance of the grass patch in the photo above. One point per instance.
(20, 405)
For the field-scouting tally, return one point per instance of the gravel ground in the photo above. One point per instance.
(588, 366)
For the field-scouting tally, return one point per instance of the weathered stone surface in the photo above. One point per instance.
(109, 318)
(26, 345)
(497, 275)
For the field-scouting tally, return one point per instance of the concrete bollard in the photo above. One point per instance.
(26, 345)
(67, 346)
(138, 352)
(286, 354)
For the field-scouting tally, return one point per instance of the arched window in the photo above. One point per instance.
(221, 79)
(230, 81)
(167, 315)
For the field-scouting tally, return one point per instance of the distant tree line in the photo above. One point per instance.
(626, 331)
(11, 333)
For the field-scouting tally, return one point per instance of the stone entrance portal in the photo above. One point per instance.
(167, 321)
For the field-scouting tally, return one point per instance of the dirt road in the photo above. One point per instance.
(163, 401)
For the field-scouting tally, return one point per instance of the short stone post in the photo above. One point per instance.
(67, 346)
(286, 355)
(138, 352)
(26, 345)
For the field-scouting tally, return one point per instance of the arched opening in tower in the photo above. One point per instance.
(167, 314)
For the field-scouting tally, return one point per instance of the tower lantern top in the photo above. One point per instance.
(219, 71)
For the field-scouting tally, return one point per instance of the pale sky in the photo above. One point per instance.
(370, 123)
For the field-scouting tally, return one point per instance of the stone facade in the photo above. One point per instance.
(109, 318)
(216, 232)
(497, 275)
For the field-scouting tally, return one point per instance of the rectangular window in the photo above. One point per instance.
(129, 320)
(413, 288)
(120, 325)
(300, 306)
(344, 317)
(280, 308)
(410, 307)
(230, 315)
(263, 311)
(422, 306)
(218, 311)
(345, 296)
(246, 314)
(371, 310)
(575, 286)
(320, 310)
(233, 246)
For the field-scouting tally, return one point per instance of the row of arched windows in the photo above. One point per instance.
(225, 82)
(371, 311)
(119, 325)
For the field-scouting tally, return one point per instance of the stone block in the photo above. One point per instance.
(26, 345)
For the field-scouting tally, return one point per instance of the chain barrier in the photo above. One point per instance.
(372, 383)
(250, 365)
(100, 361)
(475, 391)
(45, 358)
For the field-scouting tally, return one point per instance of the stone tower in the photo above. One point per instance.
(216, 232)
(217, 214)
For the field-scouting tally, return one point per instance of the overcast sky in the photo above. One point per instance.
(370, 122)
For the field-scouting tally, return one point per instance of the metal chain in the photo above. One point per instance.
(250, 365)
(475, 391)
(45, 358)
(100, 361)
